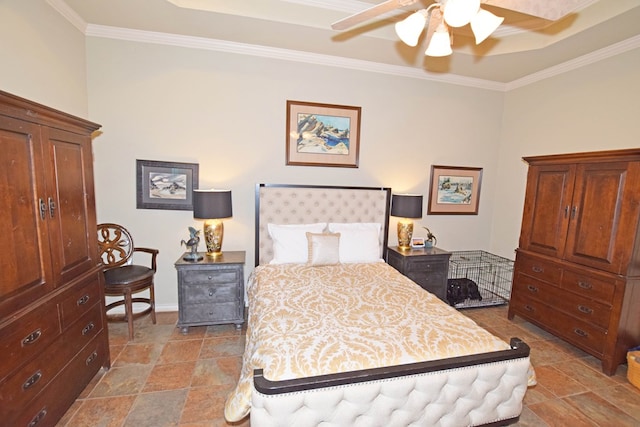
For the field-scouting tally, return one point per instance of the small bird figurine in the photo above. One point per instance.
(192, 244)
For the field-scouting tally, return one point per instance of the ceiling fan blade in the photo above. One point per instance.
(370, 13)
(551, 10)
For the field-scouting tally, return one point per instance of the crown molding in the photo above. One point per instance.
(593, 57)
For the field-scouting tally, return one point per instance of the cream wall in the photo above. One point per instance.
(593, 108)
(43, 56)
(226, 112)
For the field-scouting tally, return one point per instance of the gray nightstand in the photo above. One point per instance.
(211, 291)
(427, 267)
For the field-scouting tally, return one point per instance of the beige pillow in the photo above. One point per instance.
(323, 248)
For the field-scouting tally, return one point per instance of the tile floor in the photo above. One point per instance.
(165, 378)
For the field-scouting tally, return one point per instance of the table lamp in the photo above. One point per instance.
(212, 206)
(406, 206)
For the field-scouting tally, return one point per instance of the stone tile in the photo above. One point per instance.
(205, 404)
(226, 331)
(170, 377)
(547, 353)
(193, 332)
(161, 409)
(557, 413)
(180, 351)
(211, 372)
(585, 375)
(557, 382)
(537, 394)
(104, 412)
(152, 333)
(92, 384)
(222, 347)
(126, 380)
(626, 397)
(166, 317)
(600, 411)
(529, 419)
(138, 354)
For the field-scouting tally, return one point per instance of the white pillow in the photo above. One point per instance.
(323, 248)
(290, 241)
(359, 241)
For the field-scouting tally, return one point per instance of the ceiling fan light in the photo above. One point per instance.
(410, 28)
(440, 44)
(458, 13)
(483, 24)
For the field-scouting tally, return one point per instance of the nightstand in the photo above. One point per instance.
(428, 267)
(211, 291)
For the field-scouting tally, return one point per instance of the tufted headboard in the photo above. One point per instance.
(300, 204)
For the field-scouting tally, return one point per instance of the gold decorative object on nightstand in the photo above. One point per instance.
(407, 207)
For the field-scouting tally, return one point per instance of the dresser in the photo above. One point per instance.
(52, 320)
(577, 268)
(428, 267)
(211, 291)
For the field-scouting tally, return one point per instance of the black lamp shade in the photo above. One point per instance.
(212, 204)
(406, 205)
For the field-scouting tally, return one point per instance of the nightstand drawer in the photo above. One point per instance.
(217, 276)
(209, 314)
(210, 293)
(426, 266)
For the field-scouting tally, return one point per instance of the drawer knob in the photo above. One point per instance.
(83, 300)
(585, 285)
(211, 292)
(532, 288)
(529, 308)
(537, 269)
(209, 277)
(91, 358)
(39, 417)
(585, 309)
(88, 328)
(580, 332)
(32, 380)
(32, 337)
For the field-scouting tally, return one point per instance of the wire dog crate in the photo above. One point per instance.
(478, 279)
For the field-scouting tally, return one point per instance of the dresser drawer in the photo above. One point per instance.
(217, 276)
(589, 286)
(27, 336)
(210, 293)
(79, 299)
(227, 312)
(83, 330)
(538, 268)
(426, 266)
(57, 396)
(582, 334)
(575, 305)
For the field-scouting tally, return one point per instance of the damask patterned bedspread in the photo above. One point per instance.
(310, 320)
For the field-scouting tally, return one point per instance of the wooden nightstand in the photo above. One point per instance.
(427, 267)
(211, 291)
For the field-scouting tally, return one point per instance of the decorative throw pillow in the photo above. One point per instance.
(359, 241)
(290, 241)
(323, 248)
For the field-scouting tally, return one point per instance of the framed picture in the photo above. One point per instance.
(322, 134)
(417, 242)
(454, 190)
(165, 185)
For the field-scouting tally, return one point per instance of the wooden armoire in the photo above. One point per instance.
(53, 336)
(577, 268)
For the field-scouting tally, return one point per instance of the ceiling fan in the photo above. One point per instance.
(442, 14)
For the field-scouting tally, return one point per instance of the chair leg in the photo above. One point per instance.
(128, 308)
(152, 299)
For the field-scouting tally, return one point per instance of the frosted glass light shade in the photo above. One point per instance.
(483, 24)
(440, 44)
(410, 28)
(458, 13)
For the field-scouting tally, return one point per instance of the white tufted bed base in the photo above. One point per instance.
(482, 389)
(476, 394)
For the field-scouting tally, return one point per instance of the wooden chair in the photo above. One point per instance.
(121, 277)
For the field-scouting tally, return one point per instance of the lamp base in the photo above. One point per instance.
(213, 235)
(405, 232)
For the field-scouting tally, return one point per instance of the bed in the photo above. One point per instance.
(337, 337)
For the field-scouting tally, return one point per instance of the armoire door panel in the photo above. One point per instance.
(26, 272)
(547, 209)
(597, 226)
(73, 217)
